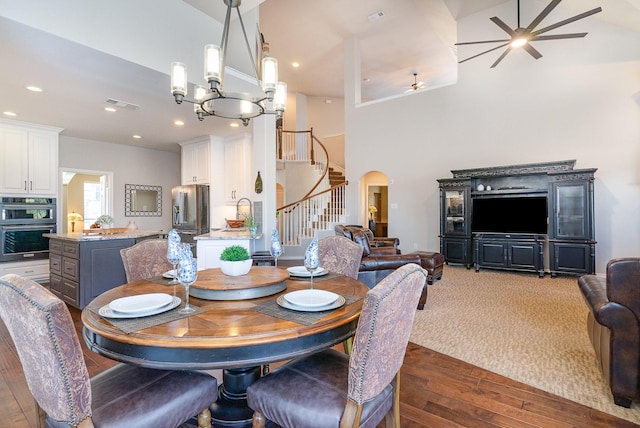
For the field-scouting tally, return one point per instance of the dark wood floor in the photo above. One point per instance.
(436, 391)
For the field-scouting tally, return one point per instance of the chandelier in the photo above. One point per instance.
(212, 100)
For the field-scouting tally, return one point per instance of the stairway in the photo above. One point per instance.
(335, 177)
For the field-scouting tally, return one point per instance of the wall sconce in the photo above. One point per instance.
(73, 217)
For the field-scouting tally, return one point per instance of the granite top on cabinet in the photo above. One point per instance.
(229, 234)
(80, 237)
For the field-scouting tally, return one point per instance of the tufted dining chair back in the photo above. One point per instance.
(331, 389)
(340, 255)
(146, 259)
(53, 364)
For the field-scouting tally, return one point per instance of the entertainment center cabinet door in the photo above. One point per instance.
(572, 258)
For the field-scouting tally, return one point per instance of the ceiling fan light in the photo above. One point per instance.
(519, 42)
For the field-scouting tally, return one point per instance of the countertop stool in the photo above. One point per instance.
(263, 258)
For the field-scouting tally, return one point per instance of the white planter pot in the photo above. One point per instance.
(236, 268)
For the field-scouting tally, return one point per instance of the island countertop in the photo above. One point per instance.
(80, 236)
(228, 234)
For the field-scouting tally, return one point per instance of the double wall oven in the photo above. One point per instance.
(23, 221)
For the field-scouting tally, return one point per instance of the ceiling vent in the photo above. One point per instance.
(122, 104)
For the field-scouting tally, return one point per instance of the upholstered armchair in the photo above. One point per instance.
(613, 325)
(53, 364)
(330, 388)
(379, 245)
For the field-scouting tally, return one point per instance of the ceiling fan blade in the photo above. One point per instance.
(546, 11)
(500, 23)
(501, 57)
(484, 41)
(532, 51)
(559, 36)
(567, 21)
(482, 53)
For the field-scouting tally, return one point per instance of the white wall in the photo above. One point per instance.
(130, 165)
(579, 101)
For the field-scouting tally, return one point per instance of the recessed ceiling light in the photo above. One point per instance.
(178, 122)
(295, 64)
(9, 113)
(136, 136)
(234, 125)
(109, 109)
(34, 89)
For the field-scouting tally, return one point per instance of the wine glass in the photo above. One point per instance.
(173, 254)
(276, 246)
(187, 275)
(311, 259)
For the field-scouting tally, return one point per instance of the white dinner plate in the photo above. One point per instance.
(107, 312)
(311, 298)
(140, 303)
(335, 305)
(170, 274)
(302, 272)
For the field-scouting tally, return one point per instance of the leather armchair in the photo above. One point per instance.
(378, 262)
(613, 325)
(378, 245)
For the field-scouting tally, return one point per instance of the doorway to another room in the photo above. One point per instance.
(377, 203)
(86, 195)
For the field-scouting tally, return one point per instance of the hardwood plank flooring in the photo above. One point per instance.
(435, 391)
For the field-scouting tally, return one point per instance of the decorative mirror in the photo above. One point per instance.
(142, 201)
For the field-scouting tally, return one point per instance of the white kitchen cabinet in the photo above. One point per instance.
(36, 270)
(209, 250)
(195, 162)
(237, 168)
(29, 159)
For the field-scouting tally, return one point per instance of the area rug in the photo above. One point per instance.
(517, 325)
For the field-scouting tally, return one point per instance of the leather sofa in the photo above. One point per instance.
(613, 325)
(378, 262)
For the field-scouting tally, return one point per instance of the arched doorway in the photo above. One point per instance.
(376, 202)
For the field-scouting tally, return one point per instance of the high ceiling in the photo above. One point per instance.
(411, 36)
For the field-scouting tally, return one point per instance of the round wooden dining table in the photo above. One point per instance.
(238, 336)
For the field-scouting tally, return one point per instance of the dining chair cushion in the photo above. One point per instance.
(319, 383)
(146, 259)
(131, 396)
(340, 255)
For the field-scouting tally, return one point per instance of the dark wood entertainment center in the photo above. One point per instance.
(531, 217)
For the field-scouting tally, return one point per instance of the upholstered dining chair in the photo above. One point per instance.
(146, 259)
(123, 396)
(332, 389)
(340, 255)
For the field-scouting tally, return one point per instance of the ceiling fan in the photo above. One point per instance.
(522, 37)
(415, 85)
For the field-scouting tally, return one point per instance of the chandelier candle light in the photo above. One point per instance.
(213, 101)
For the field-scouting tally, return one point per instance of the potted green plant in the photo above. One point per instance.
(251, 224)
(235, 261)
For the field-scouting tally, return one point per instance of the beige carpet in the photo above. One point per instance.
(528, 329)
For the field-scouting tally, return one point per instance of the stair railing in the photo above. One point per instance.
(299, 219)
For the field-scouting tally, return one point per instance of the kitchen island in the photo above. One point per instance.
(210, 245)
(83, 266)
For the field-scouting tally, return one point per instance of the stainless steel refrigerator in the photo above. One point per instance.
(190, 211)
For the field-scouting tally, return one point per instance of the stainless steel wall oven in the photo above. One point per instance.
(23, 220)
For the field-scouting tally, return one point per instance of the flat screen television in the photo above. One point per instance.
(510, 215)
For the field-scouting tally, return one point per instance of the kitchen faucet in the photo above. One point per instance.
(238, 207)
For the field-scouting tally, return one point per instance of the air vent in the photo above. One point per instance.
(123, 104)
